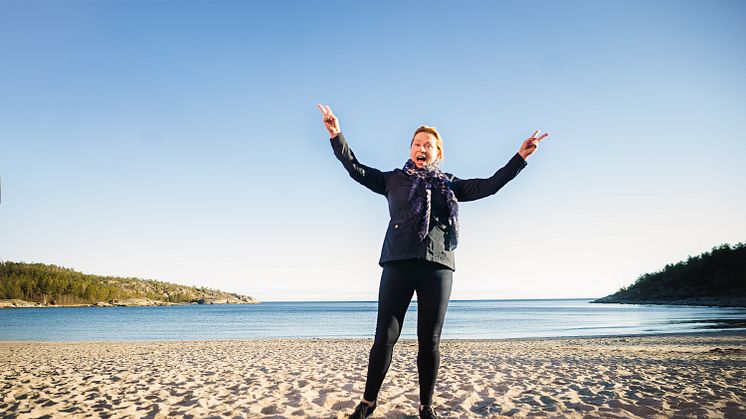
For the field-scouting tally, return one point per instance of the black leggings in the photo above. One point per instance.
(399, 281)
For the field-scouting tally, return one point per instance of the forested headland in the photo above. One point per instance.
(714, 278)
(50, 285)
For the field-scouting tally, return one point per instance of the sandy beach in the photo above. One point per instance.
(653, 376)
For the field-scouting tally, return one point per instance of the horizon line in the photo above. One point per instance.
(415, 299)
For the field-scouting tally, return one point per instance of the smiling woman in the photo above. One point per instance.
(418, 250)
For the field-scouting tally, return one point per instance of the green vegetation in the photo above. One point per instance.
(50, 284)
(717, 277)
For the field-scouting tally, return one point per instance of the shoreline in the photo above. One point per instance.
(682, 374)
(714, 333)
(128, 302)
(724, 302)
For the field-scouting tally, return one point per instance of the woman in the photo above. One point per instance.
(417, 254)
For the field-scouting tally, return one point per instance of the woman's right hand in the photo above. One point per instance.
(330, 121)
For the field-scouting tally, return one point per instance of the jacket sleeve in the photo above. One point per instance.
(473, 189)
(369, 177)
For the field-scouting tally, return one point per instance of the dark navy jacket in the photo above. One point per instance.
(401, 240)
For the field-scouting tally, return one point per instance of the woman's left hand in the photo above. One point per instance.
(531, 144)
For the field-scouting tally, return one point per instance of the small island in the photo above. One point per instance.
(714, 278)
(41, 285)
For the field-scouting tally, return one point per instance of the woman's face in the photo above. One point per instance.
(424, 150)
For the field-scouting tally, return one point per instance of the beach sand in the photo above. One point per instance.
(653, 376)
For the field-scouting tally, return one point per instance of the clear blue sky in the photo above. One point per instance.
(179, 140)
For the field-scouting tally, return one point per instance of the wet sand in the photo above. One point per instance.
(652, 376)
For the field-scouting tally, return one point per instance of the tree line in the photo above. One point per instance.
(51, 284)
(720, 272)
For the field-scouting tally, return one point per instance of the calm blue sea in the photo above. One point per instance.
(472, 319)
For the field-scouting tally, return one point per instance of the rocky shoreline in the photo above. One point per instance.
(130, 302)
(692, 301)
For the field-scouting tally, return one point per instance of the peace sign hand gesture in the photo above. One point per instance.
(531, 144)
(330, 121)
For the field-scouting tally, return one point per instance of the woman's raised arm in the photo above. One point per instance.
(369, 177)
(473, 189)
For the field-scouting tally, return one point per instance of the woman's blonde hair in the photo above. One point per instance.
(434, 132)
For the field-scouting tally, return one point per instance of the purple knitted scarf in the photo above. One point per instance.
(425, 180)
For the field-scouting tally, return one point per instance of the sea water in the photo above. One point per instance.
(465, 319)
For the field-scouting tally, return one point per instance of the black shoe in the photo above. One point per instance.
(428, 413)
(362, 411)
